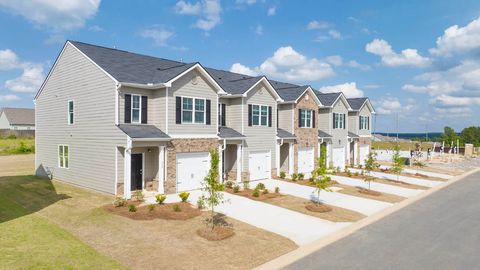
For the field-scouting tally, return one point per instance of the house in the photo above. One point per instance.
(360, 129)
(117, 121)
(17, 119)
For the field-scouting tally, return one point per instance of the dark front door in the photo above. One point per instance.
(137, 171)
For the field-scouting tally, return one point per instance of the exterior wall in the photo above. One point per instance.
(306, 137)
(191, 87)
(284, 157)
(260, 138)
(183, 146)
(353, 122)
(156, 105)
(363, 141)
(231, 162)
(365, 111)
(233, 110)
(339, 135)
(93, 139)
(4, 123)
(325, 120)
(285, 114)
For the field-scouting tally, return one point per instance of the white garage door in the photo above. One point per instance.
(338, 157)
(305, 160)
(363, 153)
(259, 165)
(191, 170)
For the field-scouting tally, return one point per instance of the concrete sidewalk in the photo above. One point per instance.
(427, 173)
(361, 205)
(406, 179)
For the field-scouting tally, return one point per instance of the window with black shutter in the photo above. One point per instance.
(249, 115)
(128, 108)
(270, 116)
(208, 112)
(178, 110)
(144, 109)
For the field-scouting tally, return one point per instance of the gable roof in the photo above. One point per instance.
(283, 134)
(329, 99)
(19, 116)
(358, 103)
(229, 133)
(233, 83)
(143, 132)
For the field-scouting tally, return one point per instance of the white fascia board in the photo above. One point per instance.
(151, 139)
(309, 89)
(269, 87)
(342, 96)
(144, 86)
(204, 73)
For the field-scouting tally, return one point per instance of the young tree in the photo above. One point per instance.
(322, 184)
(212, 187)
(370, 165)
(322, 163)
(397, 167)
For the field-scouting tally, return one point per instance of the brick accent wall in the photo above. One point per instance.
(183, 146)
(306, 137)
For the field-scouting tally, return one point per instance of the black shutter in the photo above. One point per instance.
(333, 120)
(249, 115)
(313, 118)
(270, 116)
(343, 121)
(178, 110)
(300, 118)
(360, 122)
(368, 122)
(128, 108)
(144, 109)
(224, 116)
(207, 111)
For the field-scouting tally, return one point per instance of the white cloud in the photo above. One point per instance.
(408, 57)
(29, 82)
(9, 97)
(457, 39)
(272, 11)
(314, 25)
(208, 11)
(57, 15)
(239, 68)
(350, 89)
(55, 38)
(289, 65)
(334, 34)
(415, 88)
(259, 30)
(8, 60)
(388, 105)
(454, 111)
(159, 34)
(335, 60)
(355, 64)
(453, 101)
(96, 28)
(247, 2)
(372, 86)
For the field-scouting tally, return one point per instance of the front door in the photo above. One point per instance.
(137, 172)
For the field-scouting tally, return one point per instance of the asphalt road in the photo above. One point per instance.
(441, 231)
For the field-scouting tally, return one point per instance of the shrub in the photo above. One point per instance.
(349, 173)
(277, 190)
(176, 208)
(260, 186)
(246, 184)
(160, 198)
(356, 174)
(151, 207)
(283, 174)
(137, 195)
(265, 191)
(200, 203)
(294, 176)
(360, 166)
(11, 137)
(132, 208)
(184, 196)
(236, 189)
(256, 193)
(301, 176)
(119, 201)
(229, 184)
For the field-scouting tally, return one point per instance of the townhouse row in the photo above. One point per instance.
(116, 122)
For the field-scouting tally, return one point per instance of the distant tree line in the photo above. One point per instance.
(468, 135)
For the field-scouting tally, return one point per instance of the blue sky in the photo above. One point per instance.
(417, 59)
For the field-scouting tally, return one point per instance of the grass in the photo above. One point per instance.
(52, 225)
(17, 146)
(403, 145)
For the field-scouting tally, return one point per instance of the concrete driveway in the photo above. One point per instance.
(427, 173)
(406, 179)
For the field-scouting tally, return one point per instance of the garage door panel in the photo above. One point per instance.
(338, 157)
(363, 153)
(191, 170)
(306, 160)
(259, 165)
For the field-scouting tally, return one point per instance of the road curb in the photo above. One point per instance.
(303, 251)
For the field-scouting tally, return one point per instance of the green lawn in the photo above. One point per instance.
(17, 146)
(30, 241)
(403, 145)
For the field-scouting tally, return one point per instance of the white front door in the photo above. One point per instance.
(363, 153)
(338, 157)
(306, 160)
(259, 165)
(191, 170)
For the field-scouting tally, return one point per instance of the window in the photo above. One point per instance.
(70, 112)
(221, 114)
(193, 114)
(338, 120)
(63, 156)
(259, 115)
(136, 109)
(306, 118)
(364, 122)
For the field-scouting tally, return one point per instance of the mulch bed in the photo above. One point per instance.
(162, 211)
(320, 208)
(248, 193)
(217, 234)
(305, 182)
(369, 192)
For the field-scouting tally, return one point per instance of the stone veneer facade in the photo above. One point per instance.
(306, 137)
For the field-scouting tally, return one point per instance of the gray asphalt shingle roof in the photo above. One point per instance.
(288, 91)
(353, 135)
(322, 134)
(226, 132)
(19, 116)
(143, 131)
(233, 83)
(327, 99)
(281, 133)
(356, 103)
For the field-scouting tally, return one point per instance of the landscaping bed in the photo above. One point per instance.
(414, 175)
(383, 181)
(305, 182)
(355, 191)
(175, 211)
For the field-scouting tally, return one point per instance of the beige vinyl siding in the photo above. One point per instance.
(365, 111)
(93, 139)
(234, 114)
(325, 120)
(260, 138)
(156, 105)
(202, 89)
(285, 114)
(353, 122)
(340, 135)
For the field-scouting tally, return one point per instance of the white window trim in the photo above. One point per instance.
(63, 154)
(260, 115)
(364, 122)
(220, 114)
(340, 123)
(139, 108)
(307, 124)
(68, 112)
(193, 111)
